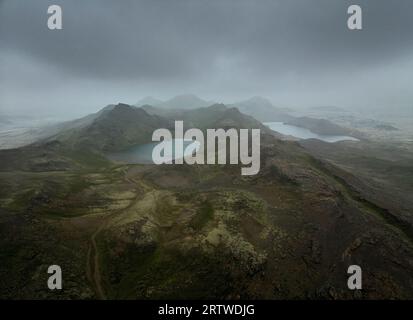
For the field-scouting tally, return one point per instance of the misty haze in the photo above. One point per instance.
(79, 187)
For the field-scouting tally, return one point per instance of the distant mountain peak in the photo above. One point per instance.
(179, 102)
(261, 109)
(120, 108)
(185, 101)
(150, 101)
(113, 128)
(186, 96)
(121, 105)
(217, 107)
(258, 100)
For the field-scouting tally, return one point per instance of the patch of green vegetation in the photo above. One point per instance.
(166, 210)
(22, 199)
(78, 184)
(58, 196)
(274, 171)
(88, 158)
(204, 214)
(161, 272)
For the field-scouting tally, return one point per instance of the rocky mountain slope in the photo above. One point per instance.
(201, 231)
(263, 110)
(181, 102)
(114, 129)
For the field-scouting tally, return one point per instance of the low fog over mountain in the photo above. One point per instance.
(98, 178)
(296, 53)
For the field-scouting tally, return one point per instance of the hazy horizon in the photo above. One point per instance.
(297, 54)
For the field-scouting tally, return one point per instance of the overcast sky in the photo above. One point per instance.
(298, 53)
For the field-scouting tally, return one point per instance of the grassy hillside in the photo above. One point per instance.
(203, 231)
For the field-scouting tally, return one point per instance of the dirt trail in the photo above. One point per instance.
(93, 261)
(93, 264)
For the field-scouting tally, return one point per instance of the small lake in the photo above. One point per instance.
(142, 153)
(302, 133)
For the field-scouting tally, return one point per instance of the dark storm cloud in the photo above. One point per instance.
(255, 45)
(178, 38)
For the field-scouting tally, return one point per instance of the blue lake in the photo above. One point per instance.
(142, 153)
(302, 133)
